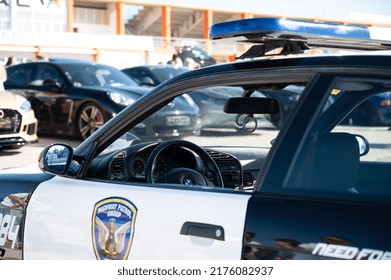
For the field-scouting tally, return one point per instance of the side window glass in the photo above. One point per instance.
(137, 75)
(353, 160)
(19, 76)
(142, 77)
(146, 79)
(232, 141)
(46, 73)
(371, 121)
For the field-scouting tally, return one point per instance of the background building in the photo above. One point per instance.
(131, 32)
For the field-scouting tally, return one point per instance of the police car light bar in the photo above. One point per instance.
(274, 27)
(296, 35)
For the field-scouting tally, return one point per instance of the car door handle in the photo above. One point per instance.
(203, 230)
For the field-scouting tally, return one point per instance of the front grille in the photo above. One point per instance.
(10, 121)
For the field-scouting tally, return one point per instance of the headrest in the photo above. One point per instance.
(335, 163)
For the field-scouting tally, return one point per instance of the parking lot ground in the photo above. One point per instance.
(28, 154)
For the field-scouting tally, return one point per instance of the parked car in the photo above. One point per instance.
(210, 101)
(153, 75)
(18, 124)
(374, 111)
(76, 97)
(312, 190)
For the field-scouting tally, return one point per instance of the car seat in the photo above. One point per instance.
(331, 163)
(336, 162)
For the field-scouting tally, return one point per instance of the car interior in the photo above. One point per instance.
(334, 158)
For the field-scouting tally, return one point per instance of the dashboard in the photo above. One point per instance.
(169, 159)
(131, 164)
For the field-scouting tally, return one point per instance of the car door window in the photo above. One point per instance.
(139, 75)
(45, 73)
(237, 143)
(19, 76)
(353, 159)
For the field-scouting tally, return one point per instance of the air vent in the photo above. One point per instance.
(248, 179)
(117, 165)
(223, 159)
(230, 168)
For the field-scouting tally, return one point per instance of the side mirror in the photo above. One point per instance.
(363, 144)
(51, 84)
(147, 81)
(55, 158)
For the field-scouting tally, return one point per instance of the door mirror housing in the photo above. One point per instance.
(363, 144)
(55, 158)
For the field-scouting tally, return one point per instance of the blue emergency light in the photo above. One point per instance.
(295, 36)
(258, 28)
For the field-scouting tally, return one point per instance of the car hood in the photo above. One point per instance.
(10, 100)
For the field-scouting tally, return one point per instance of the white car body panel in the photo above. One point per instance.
(12, 101)
(59, 221)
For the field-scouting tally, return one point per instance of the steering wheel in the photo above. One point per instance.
(182, 175)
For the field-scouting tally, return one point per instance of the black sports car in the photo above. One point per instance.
(76, 97)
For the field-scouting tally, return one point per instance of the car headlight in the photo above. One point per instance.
(120, 98)
(25, 106)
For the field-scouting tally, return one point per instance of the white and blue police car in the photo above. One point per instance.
(318, 187)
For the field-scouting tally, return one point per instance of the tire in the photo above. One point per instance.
(89, 119)
(366, 115)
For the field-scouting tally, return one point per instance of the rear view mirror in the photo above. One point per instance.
(251, 105)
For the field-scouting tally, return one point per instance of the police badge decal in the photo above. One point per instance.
(113, 222)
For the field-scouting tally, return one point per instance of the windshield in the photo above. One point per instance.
(96, 75)
(199, 116)
(124, 140)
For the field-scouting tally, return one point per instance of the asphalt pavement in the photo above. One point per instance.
(28, 155)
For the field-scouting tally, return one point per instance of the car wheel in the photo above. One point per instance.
(366, 115)
(89, 119)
